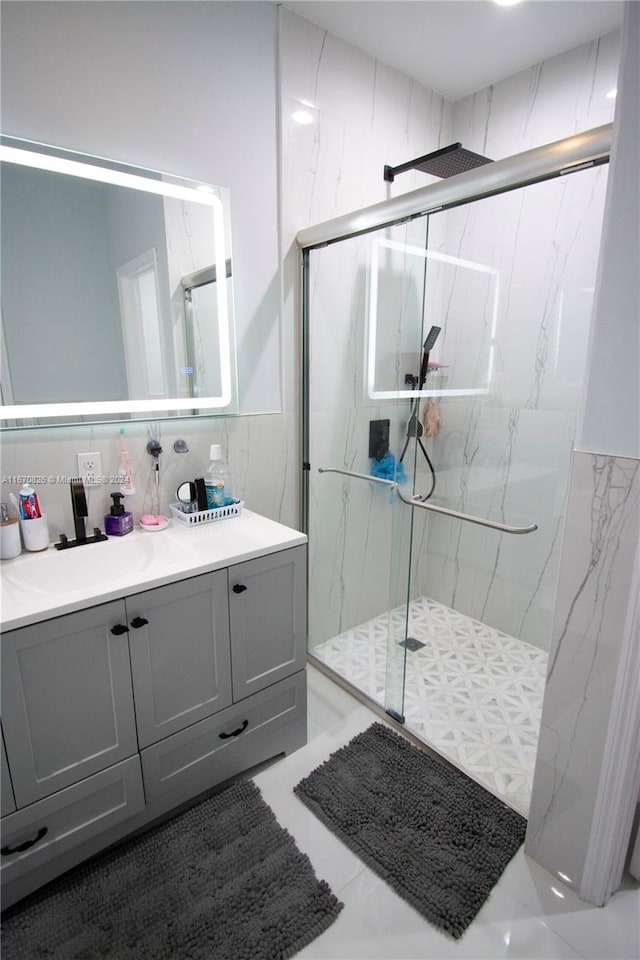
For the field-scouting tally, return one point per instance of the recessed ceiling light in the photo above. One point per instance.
(506, 3)
(612, 94)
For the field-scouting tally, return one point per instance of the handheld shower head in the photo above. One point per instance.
(432, 336)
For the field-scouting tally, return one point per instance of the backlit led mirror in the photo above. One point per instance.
(116, 291)
(413, 290)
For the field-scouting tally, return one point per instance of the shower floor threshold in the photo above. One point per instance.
(472, 693)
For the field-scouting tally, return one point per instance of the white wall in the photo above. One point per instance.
(611, 421)
(189, 88)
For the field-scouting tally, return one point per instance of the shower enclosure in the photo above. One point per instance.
(435, 602)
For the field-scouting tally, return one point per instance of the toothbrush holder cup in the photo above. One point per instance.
(35, 533)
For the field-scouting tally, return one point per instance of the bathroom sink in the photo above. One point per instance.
(77, 569)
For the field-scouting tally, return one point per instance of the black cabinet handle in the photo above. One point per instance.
(138, 622)
(239, 588)
(119, 628)
(235, 733)
(7, 851)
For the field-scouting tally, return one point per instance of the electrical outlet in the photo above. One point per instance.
(90, 468)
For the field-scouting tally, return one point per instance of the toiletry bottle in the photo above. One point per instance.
(118, 521)
(217, 479)
(29, 506)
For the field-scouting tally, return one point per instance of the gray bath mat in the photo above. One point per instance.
(437, 837)
(223, 881)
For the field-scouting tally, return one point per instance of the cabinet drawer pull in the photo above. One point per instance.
(239, 588)
(7, 851)
(235, 733)
(138, 622)
(119, 628)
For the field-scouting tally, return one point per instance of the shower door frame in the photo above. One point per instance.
(580, 152)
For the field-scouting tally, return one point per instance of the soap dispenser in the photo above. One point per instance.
(118, 521)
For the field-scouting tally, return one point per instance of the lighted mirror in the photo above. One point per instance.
(116, 291)
(424, 298)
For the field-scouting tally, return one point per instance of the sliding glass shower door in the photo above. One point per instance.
(360, 536)
(444, 362)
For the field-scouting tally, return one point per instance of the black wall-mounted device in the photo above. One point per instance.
(378, 438)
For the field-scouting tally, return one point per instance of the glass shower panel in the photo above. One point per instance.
(359, 533)
(511, 284)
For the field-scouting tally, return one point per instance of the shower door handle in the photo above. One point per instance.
(457, 515)
(358, 476)
(434, 508)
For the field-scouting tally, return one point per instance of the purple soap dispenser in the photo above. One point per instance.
(118, 521)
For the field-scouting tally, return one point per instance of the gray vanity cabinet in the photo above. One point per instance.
(267, 613)
(180, 660)
(119, 713)
(67, 700)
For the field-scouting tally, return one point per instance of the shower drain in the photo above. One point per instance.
(412, 644)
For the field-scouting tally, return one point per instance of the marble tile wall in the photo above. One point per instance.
(551, 100)
(505, 455)
(257, 447)
(363, 115)
(596, 584)
(587, 776)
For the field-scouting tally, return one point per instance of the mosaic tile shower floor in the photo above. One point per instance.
(472, 693)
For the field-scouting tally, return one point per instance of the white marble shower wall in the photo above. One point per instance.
(360, 115)
(505, 454)
(344, 116)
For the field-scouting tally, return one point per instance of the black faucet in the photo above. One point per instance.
(80, 510)
(80, 513)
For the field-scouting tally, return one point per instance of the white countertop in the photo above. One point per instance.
(37, 586)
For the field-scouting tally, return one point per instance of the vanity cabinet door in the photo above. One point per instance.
(268, 616)
(8, 803)
(67, 702)
(179, 639)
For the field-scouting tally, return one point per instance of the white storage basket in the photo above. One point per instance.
(207, 516)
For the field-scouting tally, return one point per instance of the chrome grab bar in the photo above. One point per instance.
(414, 502)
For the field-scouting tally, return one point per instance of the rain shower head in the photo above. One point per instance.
(444, 163)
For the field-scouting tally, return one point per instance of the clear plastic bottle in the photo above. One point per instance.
(217, 479)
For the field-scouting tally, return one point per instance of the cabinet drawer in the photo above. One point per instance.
(70, 817)
(212, 750)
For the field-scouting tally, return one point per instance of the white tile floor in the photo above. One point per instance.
(530, 914)
(472, 693)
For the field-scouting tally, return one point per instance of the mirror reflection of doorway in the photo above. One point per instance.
(207, 365)
(142, 327)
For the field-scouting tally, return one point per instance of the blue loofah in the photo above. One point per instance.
(387, 468)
